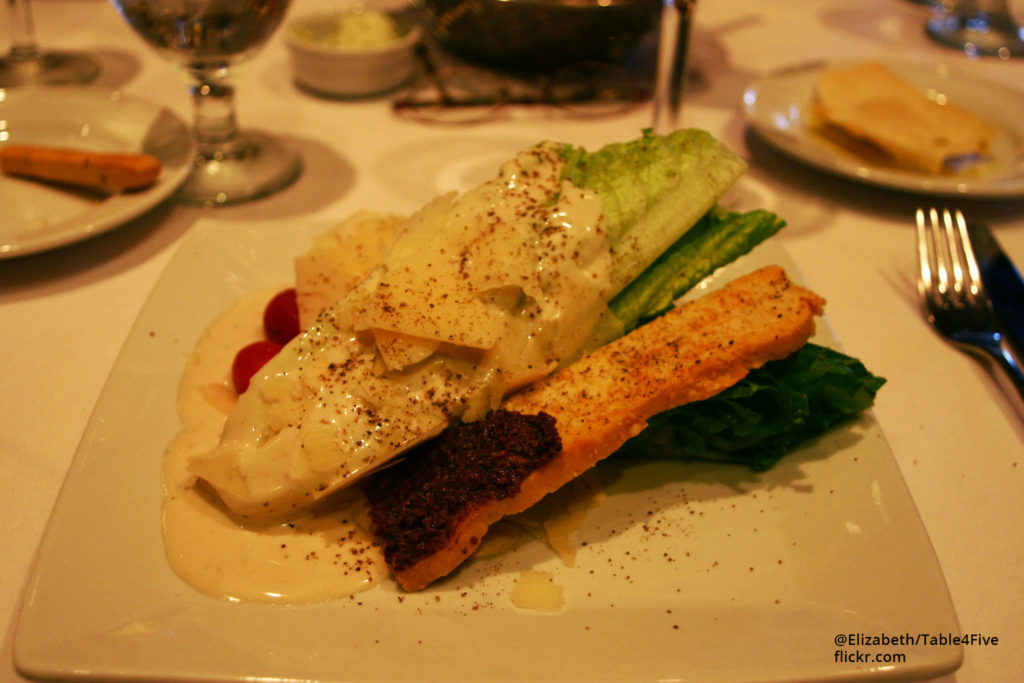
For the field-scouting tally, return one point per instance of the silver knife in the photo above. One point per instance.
(1002, 280)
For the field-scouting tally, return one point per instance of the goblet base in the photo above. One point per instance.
(986, 34)
(253, 166)
(48, 68)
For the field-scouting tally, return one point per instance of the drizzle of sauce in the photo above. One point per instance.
(324, 552)
(316, 555)
(321, 553)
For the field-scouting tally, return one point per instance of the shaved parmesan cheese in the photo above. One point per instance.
(340, 259)
(424, 302)
(401, 350)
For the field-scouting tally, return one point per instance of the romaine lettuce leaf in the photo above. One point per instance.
(654, 189)
(718, 238)
(766, 415)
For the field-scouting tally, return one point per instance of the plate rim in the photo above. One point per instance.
(86, 224)
(865, 172)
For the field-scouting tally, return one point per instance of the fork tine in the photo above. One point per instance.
(925, 268)
(954, 249)
(948, 271)
(933, 281)
(941, 234)
(975, 290)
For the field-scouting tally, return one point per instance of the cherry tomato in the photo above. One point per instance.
(249, 360)
(281, 317)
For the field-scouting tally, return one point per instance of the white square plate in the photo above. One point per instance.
(687, 571)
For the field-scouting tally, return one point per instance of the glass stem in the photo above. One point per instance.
(23, 35)
(670, 77)
(215, 128)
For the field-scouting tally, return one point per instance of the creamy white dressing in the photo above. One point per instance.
(314, 556)
(320, 553)
(480, 294)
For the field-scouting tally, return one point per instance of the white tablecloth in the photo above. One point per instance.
(64, 314)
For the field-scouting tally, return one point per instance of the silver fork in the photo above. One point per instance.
(953, 294)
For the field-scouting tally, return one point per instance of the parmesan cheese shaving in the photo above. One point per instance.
(340, 259)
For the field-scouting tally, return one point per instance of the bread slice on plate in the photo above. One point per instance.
(870, 102)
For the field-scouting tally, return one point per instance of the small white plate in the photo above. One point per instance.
(39, 216)
(779, 108)
(687, 571)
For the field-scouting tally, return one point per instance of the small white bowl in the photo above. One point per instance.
(323, 68)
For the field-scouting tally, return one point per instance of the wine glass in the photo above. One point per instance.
(26, 64)
(978, 27)
(207, 38)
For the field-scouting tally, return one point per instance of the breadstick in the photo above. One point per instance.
(99, 170)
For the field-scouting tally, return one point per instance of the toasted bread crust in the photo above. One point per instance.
(689, 354)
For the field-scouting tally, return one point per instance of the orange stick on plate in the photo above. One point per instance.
(112, 172)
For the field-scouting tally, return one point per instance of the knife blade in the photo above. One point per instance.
(1002, 280)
